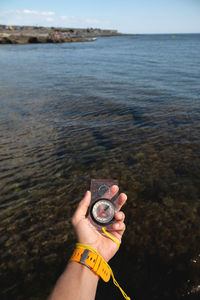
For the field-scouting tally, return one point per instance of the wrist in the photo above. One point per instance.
(92, 260)
(98, 248)
(83, 270)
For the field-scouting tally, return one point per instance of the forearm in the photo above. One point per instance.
(77, 282)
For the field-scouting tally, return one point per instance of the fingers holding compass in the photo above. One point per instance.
(119, 225)
(111, 192)
(119, 216)
(120, 201)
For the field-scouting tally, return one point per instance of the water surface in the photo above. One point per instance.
(119, 108)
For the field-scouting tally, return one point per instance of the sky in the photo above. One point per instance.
(129, 16)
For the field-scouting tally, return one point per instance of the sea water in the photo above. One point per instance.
(123, 107)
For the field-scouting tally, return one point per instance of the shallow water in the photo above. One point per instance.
(119, 108)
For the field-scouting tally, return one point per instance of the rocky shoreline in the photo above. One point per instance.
(29, 35)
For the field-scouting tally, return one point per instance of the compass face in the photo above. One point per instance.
(103, 211)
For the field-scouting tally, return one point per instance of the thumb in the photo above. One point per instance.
(82, 208)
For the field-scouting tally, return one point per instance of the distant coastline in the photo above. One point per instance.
(33, 34)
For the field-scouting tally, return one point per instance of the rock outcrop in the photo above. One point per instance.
(26, 35)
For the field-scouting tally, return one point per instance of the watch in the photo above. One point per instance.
(93, 261)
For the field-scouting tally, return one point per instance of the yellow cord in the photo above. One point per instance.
(83, 246)
(111, 237)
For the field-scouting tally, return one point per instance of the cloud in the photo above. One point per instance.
(64, 17)
(36, 12)
(48, 18)
(27, 11)
(48, 13)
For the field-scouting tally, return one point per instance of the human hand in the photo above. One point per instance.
(88, 234)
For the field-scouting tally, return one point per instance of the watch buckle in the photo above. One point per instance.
(84, 256)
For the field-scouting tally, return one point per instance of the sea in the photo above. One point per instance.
(122, 107)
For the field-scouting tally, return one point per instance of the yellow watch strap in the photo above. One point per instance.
(92, 261)
(90, 258)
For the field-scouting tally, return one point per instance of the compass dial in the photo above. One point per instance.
(103, 211)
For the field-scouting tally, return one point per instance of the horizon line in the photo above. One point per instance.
(134, 33)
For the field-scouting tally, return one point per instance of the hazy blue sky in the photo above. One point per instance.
(129, 16)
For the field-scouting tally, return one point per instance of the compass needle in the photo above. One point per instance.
(103, 211)
(100, 213)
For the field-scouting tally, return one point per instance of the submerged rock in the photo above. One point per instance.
(168, 201)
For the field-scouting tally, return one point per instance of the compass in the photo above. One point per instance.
(102, 211)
